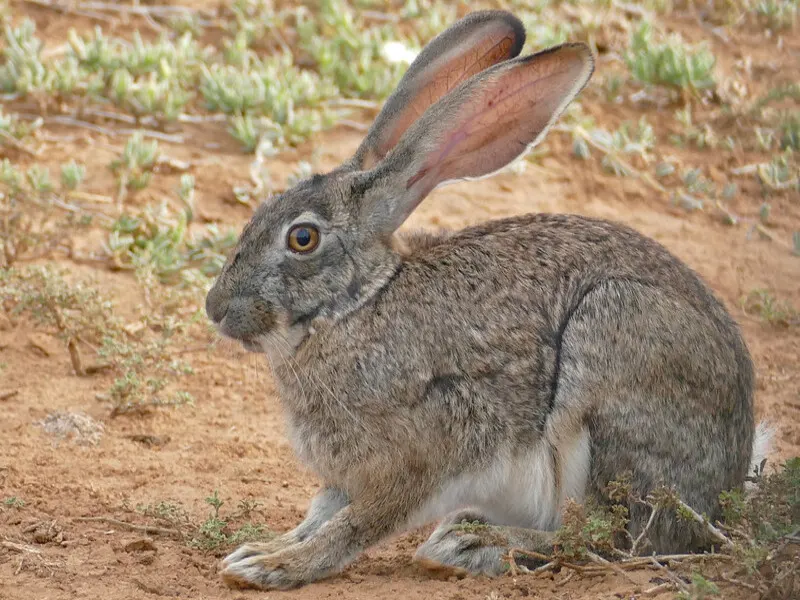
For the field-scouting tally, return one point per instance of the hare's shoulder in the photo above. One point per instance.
(415, 242)
(544, 261)
(566, 228)
(554, 241)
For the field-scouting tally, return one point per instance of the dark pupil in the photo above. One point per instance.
(303, 237)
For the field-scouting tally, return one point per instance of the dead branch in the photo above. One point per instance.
(77, 361)
(638, 562)
(136, 9)
(596, 558)
(67, 10)
(715, 533)
(22, 548)
(113, 7)
(674, 579)
(149, 529)
(75, 357)
(662, 587)
(513, 567)
(547, 567)
(12, 141)
(643, 534)
(600, 565)
(74, 122)
(740, 583)
(548, 559)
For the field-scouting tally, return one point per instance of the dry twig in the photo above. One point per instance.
(596, 558)
(14, 547)
(12, 141)
(662, 587)
(67, 9)
(643, 534)
(713, 531)
(740, 583)
(674, 579)
(149, 529)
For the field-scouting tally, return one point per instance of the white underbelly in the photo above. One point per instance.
(522, 490)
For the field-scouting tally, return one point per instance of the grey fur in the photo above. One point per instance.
(408, 363)
(465, 542)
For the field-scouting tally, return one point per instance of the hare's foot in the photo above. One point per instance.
(253, 566)
(246, 551)
(326, 552)
(243, 566)
(466, 542)
(262, 548)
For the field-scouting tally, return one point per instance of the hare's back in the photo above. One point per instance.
(553, 288)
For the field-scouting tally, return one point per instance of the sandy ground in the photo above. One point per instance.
(233, 440)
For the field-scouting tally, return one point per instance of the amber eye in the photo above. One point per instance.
(303, 238)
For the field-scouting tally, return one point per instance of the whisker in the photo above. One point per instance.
(329, 393)
(286, 359)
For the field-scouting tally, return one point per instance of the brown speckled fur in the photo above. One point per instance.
(408, 361)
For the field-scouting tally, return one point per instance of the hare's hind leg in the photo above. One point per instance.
(664, 383)
(467, 542)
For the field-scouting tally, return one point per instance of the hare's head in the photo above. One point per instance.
(465, 108)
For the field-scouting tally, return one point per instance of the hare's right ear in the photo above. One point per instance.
(483, 125)
(473, 44)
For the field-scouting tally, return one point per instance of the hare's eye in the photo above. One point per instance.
(303, 238)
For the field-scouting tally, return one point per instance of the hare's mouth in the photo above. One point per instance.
(250, 342)
(252, 345)
(245, 319)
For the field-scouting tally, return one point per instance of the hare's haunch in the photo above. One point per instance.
(488, 374)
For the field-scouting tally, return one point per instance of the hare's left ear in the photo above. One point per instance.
(477, 129)
(476, 42)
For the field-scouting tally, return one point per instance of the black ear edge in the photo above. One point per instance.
(447, 39)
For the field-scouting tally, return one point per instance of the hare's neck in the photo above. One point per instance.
(368, 280)
(370, 276)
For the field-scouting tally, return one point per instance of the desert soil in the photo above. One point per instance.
(232, 438)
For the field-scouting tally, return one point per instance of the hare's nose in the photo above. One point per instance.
(217, 303)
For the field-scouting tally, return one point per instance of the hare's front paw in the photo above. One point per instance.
(257, 566)
(250, 566)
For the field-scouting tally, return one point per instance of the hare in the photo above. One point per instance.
(487, 374)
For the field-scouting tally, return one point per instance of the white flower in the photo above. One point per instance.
(396, 52)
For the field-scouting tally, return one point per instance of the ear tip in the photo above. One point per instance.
(581, 48)
(495, 15)
(585, 51)
(581, 51)
(518, 28)
(514, 24)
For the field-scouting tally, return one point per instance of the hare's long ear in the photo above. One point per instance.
(476, 42)
(484, 124)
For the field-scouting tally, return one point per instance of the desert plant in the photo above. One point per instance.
(671, 63)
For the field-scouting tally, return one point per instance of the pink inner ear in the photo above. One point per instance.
(504, 115)
(451, 74)
(469, 58)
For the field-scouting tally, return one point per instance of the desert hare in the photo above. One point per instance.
(486, 374)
